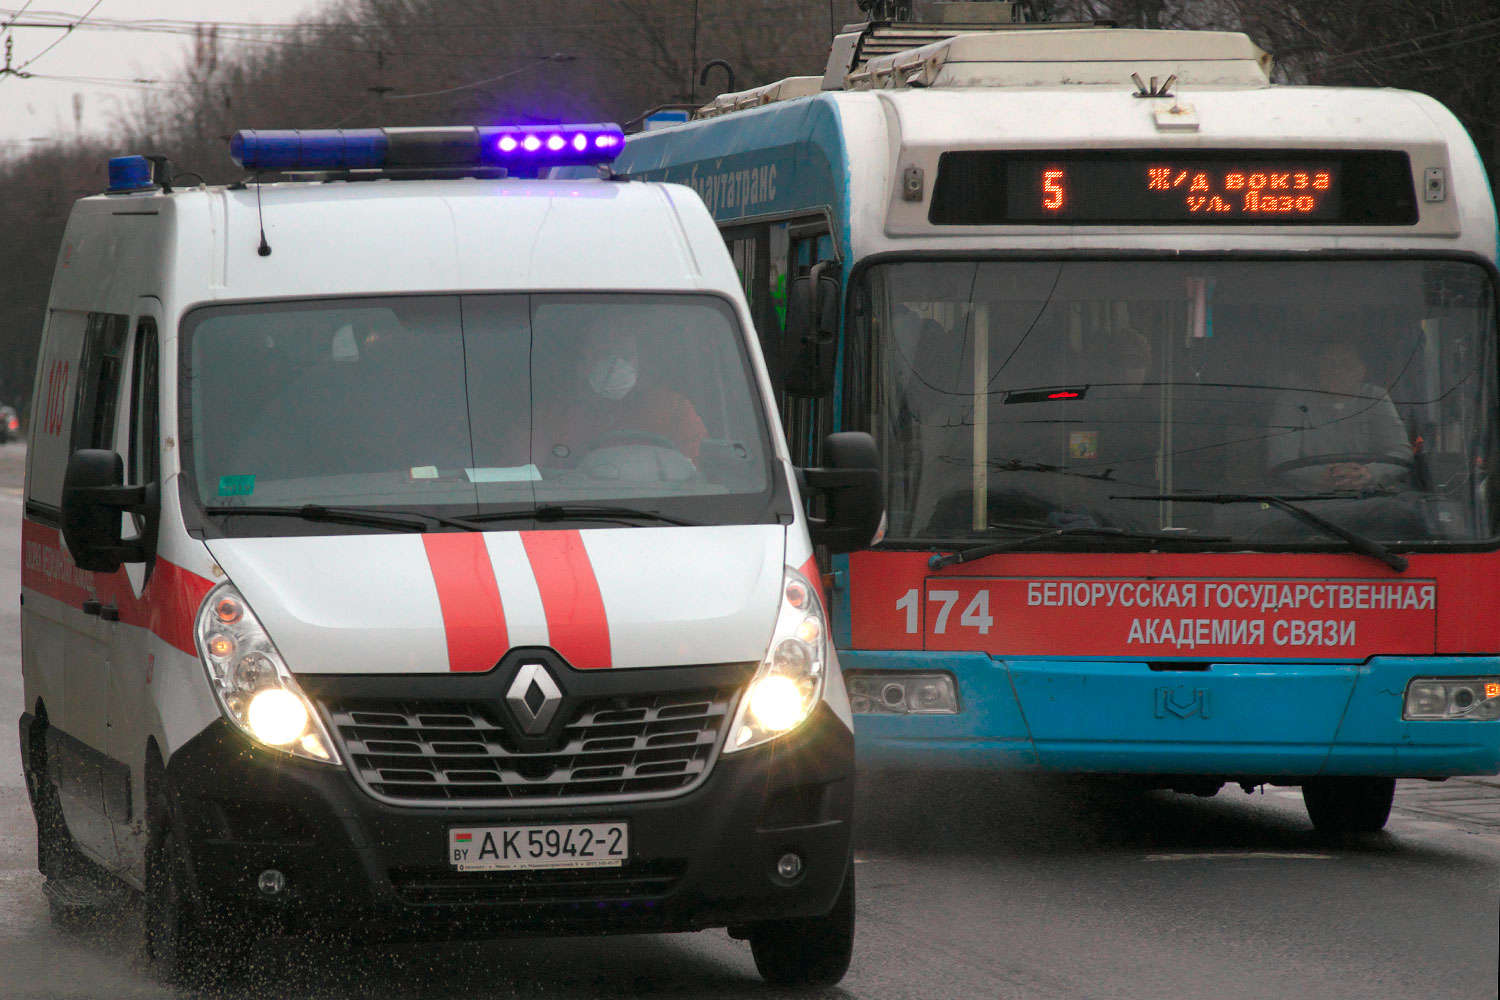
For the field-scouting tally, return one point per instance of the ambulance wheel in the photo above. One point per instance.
(183, 940)
(810, 952)
(1343, 806)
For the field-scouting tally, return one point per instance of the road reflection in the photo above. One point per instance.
(961, 836)
(1000, 817)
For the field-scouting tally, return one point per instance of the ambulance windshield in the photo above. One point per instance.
(478, 403)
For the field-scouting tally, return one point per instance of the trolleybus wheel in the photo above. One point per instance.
(809, 952)
(1349, 805)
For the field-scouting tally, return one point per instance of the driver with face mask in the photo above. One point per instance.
(606, 403)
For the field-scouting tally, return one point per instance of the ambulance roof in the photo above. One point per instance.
(393, 237)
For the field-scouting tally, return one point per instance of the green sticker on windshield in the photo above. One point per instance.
(236, 486)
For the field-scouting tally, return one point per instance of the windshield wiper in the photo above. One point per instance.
(581, 512)
(1289, 502)
(995, 548)
(1018, 465)
(372, 517)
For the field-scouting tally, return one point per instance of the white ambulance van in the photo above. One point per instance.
(411, 548)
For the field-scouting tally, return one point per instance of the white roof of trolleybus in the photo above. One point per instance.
(388, 237)
(888, 131)
(1079, 89)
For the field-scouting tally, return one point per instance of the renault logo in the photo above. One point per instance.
(533, 698)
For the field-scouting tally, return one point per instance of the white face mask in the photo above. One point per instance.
(612, 377)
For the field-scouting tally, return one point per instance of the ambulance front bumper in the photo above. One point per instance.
(705, 858)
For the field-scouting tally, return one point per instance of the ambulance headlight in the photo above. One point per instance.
(255, 689)
(786, 688)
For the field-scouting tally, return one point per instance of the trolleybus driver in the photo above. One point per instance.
(1340, 432)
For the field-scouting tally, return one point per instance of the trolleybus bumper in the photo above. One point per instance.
(1266, 720)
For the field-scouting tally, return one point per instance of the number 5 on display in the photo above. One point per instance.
(1052, 188)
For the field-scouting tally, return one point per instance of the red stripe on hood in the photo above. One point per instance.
(473, 617)
(576, 623)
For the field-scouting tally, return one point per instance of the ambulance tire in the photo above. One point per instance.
(184, 940)
(810, 952)
(1348, 806)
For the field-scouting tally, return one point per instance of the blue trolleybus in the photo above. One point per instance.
(1185, 385)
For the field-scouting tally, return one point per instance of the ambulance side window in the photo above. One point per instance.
(145, 438)
(99, 380)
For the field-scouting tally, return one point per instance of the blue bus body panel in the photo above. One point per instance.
(1233, 718)
(1266, 720)
(1374, 739)
(783, 159)
(989, 732)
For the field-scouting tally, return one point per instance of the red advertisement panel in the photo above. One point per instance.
(1162, 605)
(1199, 618)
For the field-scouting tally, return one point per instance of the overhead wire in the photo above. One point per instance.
(555, 57)
(1418, 39)
(109, 81)
(1371, 65)
(189, 27)
(1378, 54)
(62, 38)
(14, 16)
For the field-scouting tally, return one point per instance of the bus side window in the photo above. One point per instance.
(808, 421)
(751, 249)
(99, 381)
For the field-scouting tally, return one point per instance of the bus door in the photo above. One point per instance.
(768, 256)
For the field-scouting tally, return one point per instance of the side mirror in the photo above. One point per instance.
(93, 500)
(809, 347)
(850, 486)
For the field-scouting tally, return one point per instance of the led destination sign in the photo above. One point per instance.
(1174, 191)
(1144, 187)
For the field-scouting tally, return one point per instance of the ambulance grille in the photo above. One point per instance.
(465, 753)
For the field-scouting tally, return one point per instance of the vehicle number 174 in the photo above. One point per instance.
(940, 605)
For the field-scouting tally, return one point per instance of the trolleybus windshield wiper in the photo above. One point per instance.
(373, 517)
(939, 561)
(1291, 503)
(580, 512)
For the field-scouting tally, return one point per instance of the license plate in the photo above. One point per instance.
(575, 845)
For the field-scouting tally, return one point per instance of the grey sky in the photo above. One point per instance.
(37, 108)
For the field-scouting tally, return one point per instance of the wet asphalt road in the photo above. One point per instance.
(969, 886)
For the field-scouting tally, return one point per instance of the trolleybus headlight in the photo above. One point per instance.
(902, 694)
(251, 681)
(1472, 699)
(786, 688)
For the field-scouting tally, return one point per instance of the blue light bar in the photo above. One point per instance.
(130, 173)
(523, 147)
(551, 145)
(310, 149)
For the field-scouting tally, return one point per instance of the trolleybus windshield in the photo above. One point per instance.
(1053, 392)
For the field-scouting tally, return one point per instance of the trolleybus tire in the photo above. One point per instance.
(809, 952)
(1339, 806)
